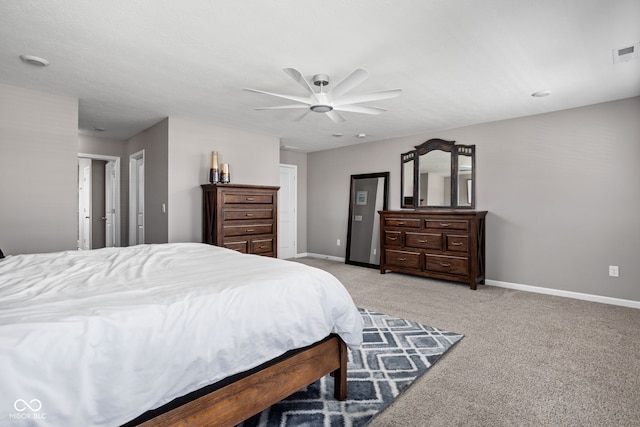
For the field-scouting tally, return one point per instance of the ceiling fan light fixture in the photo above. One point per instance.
(321, 108)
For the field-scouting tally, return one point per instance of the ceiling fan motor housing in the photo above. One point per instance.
(321, 80)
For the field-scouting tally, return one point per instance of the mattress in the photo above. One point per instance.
(95, 338)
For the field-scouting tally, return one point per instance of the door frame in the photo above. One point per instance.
(116, 190)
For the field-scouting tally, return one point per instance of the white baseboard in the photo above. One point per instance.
(526, 288)
(329, 257)
(567, 294)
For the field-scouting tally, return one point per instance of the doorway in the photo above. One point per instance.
(136, 198)
(98, 201)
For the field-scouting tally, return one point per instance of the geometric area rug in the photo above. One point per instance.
(394, 353)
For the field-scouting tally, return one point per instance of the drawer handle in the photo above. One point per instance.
(249, 214)
(456, 243)
(249, 199)
(444, 264)
(249, 230)
(262, 247)
(422, 241)
(392, 238)
(445, 224)
(402, 259)
(400, 222)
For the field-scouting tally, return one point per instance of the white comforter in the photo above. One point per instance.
(95, 338)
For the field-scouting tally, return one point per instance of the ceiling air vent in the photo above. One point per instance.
(627, 53)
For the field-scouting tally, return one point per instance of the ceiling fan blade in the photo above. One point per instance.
(351, 81)
(337, 118)
(366, 97)
(290, 97)
(360, 109)
(298, 77)
(301, 116)
(283, 107)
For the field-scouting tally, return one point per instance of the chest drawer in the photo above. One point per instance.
(231, 214)
(402, 222)
(237, 246)
(261, 246)
(403, 258)
(393, 238)
(447, 224)
(457, 243)
(229, 198)
(448, 264)
(244, 230)
(424, 240)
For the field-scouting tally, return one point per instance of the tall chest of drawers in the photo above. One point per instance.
(441, 244)
(241, 217)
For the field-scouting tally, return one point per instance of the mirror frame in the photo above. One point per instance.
(352, 198)
(443, 145)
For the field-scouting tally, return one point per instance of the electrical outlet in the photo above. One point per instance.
(614, 271)
(338, 242)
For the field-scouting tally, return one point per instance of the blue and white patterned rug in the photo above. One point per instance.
(395, 352)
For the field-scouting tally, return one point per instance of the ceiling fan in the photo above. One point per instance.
(334, 100)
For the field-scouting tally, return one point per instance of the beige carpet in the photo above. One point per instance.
(526, 359)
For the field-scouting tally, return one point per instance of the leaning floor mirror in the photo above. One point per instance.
(369, 194)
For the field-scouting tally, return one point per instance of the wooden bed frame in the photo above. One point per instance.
(238, 398)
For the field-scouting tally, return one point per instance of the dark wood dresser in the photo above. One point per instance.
(441, 244)
(241, 217)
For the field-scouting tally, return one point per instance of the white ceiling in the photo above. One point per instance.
(458, 62)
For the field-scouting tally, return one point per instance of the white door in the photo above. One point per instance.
(85, 208)
(136, 198)
(109, 204)
(287, 221)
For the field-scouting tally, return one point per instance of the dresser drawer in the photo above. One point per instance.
(237, 246)
(448, 264)
(393, 238)
(230, 214)
(402, 222)
(403, 258)
(448, 224)
(229, 198)
(261, 246)
(424, 240)
(457, 243)
(244, 230)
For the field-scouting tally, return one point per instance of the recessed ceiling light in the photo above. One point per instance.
(361, 135)
(337, 135)
(99, 129)
(541, 94)
(34, 60)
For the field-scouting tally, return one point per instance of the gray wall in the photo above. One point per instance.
(561, 190)
(299, 159)
(252, 158)
(38, 171)
(155, 143)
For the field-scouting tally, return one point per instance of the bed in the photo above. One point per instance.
(208, 335)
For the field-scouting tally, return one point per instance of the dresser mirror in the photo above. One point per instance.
(369, 194)
(406, 177)
(438, 174)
